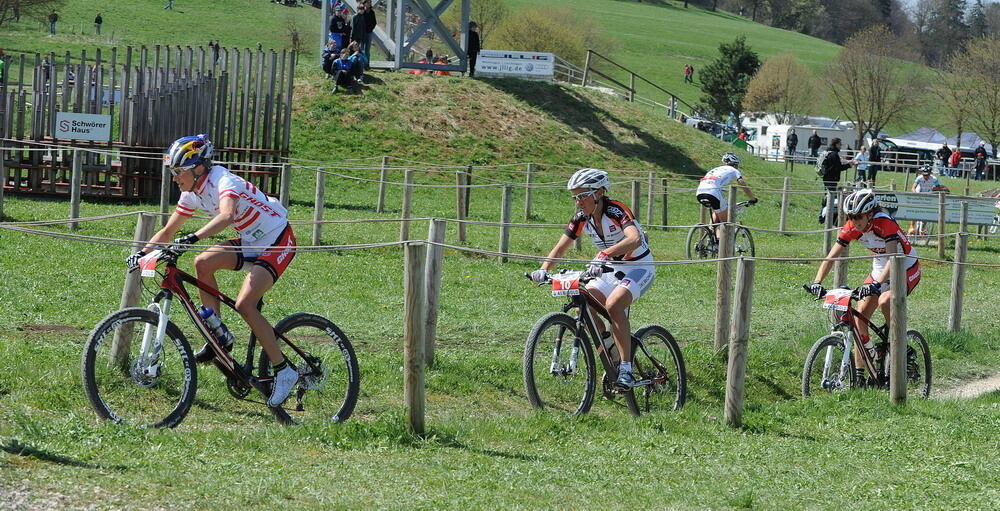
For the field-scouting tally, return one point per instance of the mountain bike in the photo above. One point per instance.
(559, 366)
(830, 365)
(703, 243)
(138, 367)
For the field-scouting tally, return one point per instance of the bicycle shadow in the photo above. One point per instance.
(447, 439)
(17, 448)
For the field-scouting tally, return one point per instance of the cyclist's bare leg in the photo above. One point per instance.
(621, 330)
(719, 217)
(206, 264)
(866, 307)
(258, 282)
(601, 299)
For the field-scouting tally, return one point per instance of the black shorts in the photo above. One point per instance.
(709, 201)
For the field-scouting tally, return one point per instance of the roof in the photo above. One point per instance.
(924, 135)
(970, 141)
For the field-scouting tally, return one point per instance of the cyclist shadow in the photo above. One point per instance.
(445, 439)
(243, 413)
(15, 447)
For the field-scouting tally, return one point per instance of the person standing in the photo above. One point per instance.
(793, 143)
(942, 158)
(874, 156)
(370, 23)
(687, 73)
(53, 18)
(814, 143)
(861, 165)
(340, 28)
(98, 21)
(954, 161)
(473, 47)
(980, 164)
(832, 166)
(169, 6)
(359, 26)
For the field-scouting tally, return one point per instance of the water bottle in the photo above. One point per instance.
(609, 345)
(215, 324)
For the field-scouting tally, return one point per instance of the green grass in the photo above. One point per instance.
(485, 448)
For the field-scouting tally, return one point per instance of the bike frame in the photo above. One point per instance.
(850, 319)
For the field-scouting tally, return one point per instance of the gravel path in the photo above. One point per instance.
(973, 389)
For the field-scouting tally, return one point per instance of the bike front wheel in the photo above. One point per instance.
(828, 369)
(659, 368)
(743, 244)
(329, 380)
(124, 384)
(559, 372)
(702, 243)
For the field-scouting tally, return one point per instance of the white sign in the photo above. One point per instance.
(517, 64)
(924, 206)
(83, 126)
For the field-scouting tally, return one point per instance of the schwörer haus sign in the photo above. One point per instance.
(924, 207)
(515, 64)
(75, 126)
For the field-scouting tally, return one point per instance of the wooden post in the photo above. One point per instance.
(942, 227)
(132, 290)
(586, 69)
(958, 273)
(3, 172)
(505, 204)
(650, 197)
(892, 186)
(319, 203)
(404, 226)
(665, 214)
(383, 176)
(631, 87)
(897, 330)
(736, 374)
(840, 268)
(828, 224)
(704, 215)
(414, 327)
(724, 285)
(732, 203)
(74, 189)
(432, 280)
(528, 191)
(636, 192)
(164, 192)
(468, 189)
(286, 184)
(460, 208)
(783, 217)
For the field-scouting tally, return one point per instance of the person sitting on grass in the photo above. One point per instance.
(343, 71)
(359, 60)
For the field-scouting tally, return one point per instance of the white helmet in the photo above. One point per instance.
(860, 202)
(588, 178)
(731, 159)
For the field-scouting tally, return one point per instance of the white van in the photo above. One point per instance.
(770, 141)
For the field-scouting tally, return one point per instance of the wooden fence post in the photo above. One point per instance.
(665, 214)
(132, 290)
(636, 192)
(468, 189)
(650, 197)
(724, 285)
(840, 268)
(432, 280)
(460, 208)
(505, 203)
(740, 332)
(958, 273)
(586, 69)
(897, 330)
(285, 189)
(414, 327)
(74, 189)
(941, 225)
(383, 176)
(319, 203)
(783, 217)
(3, 173)
(164, 192)
(528, 191)
(704, 215)
(828, 224)
(404, 226)
(732, 203)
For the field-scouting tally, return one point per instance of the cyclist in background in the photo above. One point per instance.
(710, 193)
(619, 237)
(925, 183)
(878, 231)
(260, 221)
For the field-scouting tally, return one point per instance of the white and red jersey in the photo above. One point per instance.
(717, 178)
(257, 215)
(881, 230)
(615, 217)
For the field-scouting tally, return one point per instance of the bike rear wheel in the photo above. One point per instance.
(701, 243)
(658, 363)
(743, 245)
(329, 380)
(825, 371)
(559, 372)
(123, 387)
(918, 365)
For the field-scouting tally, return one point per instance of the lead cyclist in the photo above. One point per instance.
(619, 238)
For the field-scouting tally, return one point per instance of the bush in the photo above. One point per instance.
(558, 30)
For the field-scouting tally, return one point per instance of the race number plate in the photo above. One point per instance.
(148, 264)
(566, 286)
(837, 299)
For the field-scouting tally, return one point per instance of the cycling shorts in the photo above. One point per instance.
(714, 200)
(275, 259)
(912, 279)
(635, 278)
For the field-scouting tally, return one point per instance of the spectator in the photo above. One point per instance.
(874, 156)
(359, 26)
(371, 23)
(942, 156)
(359, 61)
(954, 162)
(328, 57)
(742, 135)
(340, 27)
(793, 142)
(687, 73)
(442, 61)
(428, 58)
(833, 166)
(861, 165)
(343, 71)
(925, 183)
(169, 6)
(980, 164)
(98, 21)
(474, 47)
(814, 142)
(53, 18)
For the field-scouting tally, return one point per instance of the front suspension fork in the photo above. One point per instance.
(152, 338)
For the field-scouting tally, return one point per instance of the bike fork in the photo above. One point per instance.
(152, 340)
(556, 367)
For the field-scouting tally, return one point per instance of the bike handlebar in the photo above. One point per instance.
(854, 292)
(604, 269)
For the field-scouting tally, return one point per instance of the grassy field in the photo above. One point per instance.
(485, 447)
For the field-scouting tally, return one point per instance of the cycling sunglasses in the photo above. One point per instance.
(583, 195)
(176, 171)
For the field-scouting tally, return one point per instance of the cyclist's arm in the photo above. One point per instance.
(225, 218)
(891, 248)
(746, 189)
(632, 240)
(166, 234)
(824, 267)
(557, 251)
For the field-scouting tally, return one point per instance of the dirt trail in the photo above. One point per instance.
(973, 388)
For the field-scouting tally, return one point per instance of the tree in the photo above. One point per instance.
(868, 83)
(783, 87)
(488, 14)
(35, 9)
(943, 28)
(979, 66)
(978, 24)
(724, 80)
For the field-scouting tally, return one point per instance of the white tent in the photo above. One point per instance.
(925, 136)
(970, 141)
